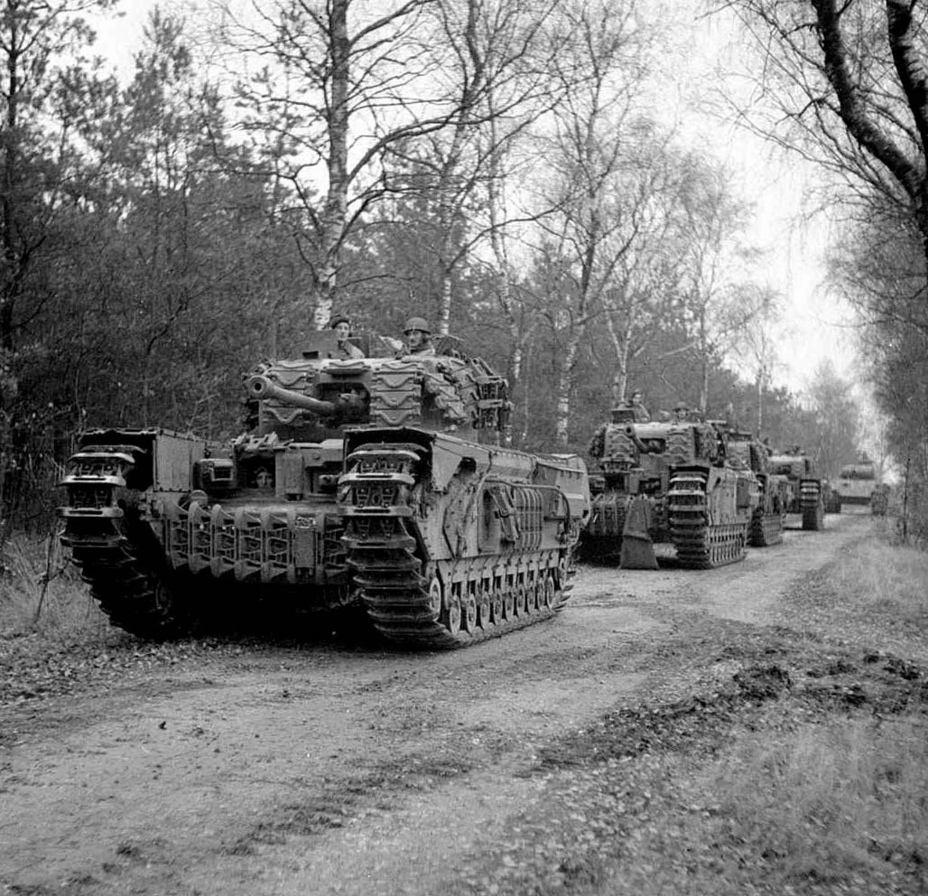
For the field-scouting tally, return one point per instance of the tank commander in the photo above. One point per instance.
(681, 412)
(418, 338)
(344, 349)
(642, 415)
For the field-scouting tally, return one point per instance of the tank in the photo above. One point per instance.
(667, 481)
(808, 493)
(858, 484)
(295, 512)
(745, 452)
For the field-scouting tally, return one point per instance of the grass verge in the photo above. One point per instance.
(42, 595)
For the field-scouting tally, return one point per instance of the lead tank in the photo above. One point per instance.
(376, 482)
(667, 481)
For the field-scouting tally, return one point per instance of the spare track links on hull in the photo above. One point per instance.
(443, 603)
(699, 544)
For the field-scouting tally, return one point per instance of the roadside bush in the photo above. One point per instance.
(42, 592)
(886, 580)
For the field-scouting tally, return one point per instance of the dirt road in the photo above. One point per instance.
(345, 768)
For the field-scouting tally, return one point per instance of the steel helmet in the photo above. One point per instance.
(417, 323)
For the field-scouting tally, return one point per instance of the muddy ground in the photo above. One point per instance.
(336, 766)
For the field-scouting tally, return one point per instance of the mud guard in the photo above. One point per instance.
(637, 547)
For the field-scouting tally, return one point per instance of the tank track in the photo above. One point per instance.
(445, 604)
(700, 544)
(137, 592)
(766, 528)
(811, 506)
(602, 537)
(116, 552)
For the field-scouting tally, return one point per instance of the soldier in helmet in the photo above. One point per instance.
(418, 337)
(345, 349)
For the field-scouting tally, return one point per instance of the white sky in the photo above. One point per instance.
(815, 323)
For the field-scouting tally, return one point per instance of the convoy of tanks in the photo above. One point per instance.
(381, 479)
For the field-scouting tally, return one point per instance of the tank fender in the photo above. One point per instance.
(567, 473)
(446, 460)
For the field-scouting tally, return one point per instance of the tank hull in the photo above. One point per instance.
(667, 483)
(156, 547)
(451, 542)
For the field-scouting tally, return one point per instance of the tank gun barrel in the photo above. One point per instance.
(259, 386)
(630, 432)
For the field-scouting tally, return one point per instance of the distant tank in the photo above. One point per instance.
(858, 484)
(440, 534)
(745, 452)
(808, 493)
(667, 481)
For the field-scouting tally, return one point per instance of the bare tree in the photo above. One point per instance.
(756, 345)
(337, 84)
(647, 275)
(584, 238)
(714, 277)
(847, 83)
(351, 93)
(498, 59)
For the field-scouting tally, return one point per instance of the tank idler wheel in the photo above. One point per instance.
(469, 613)
(509, 604)
(484, 619)
(435, 597)
(496, 604)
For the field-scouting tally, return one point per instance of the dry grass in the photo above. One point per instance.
(831, 801)
(42, 594)
(826, 802)
(886, 581)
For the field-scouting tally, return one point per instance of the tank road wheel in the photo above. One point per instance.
(509, 604)
(453, 617)
(538, 595)
(496, 607)
(521, 601)
(484, 619)
(469, 613)
(435, 598)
